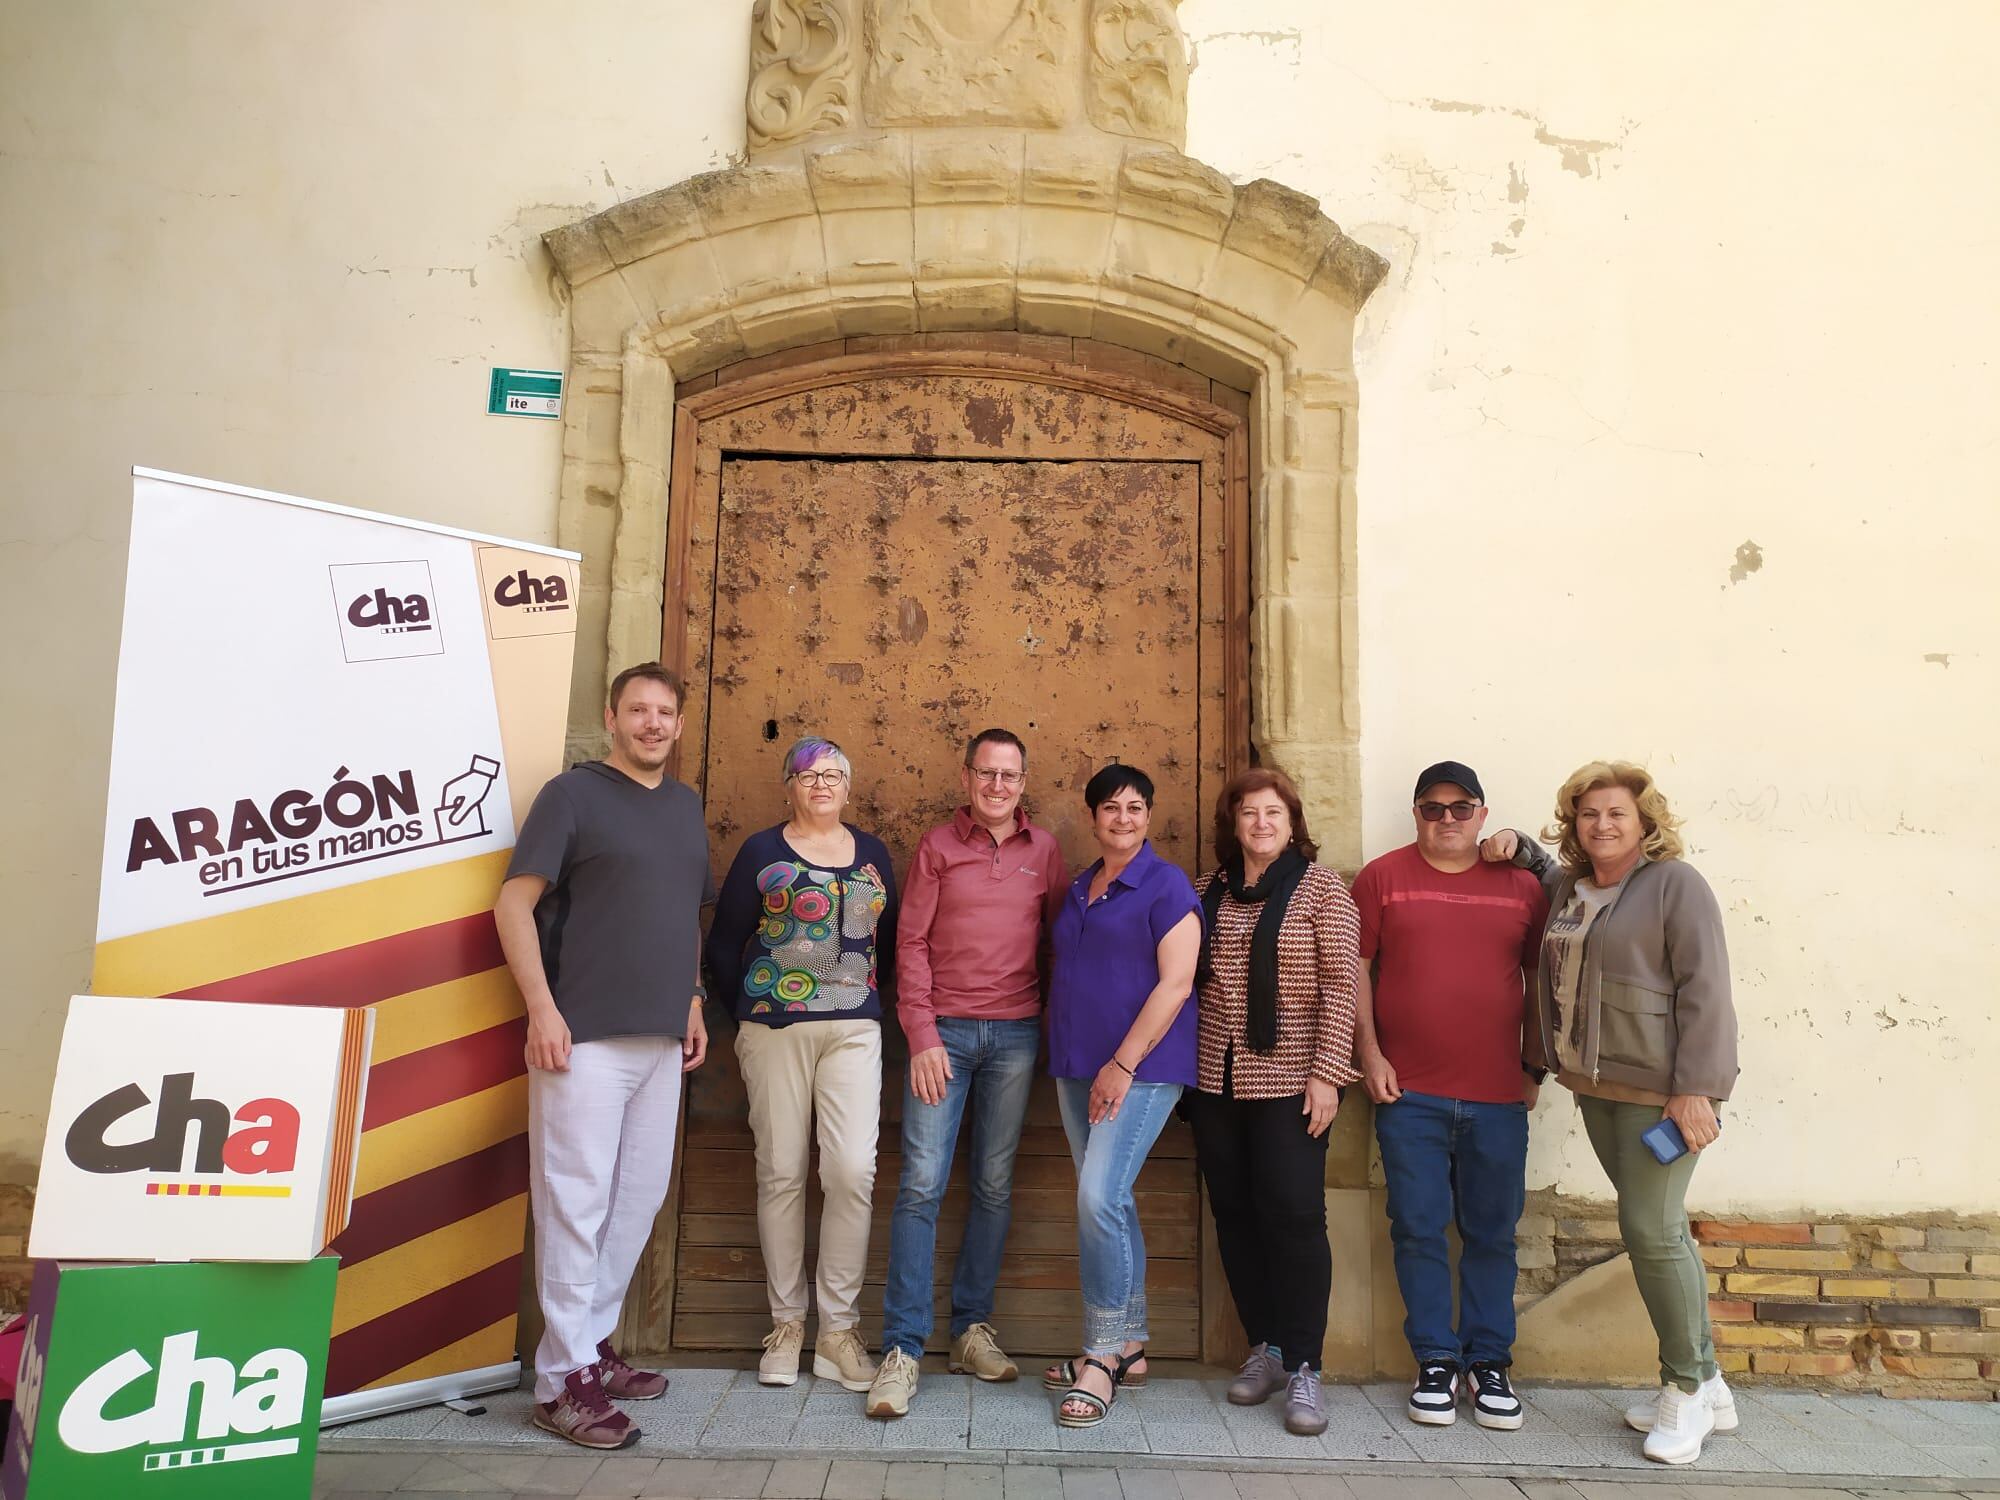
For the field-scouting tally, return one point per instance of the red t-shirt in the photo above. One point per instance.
(1452, 951)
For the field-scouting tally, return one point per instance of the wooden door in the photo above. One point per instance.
(898, 602)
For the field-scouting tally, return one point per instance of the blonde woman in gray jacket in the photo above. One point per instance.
(1634, 1016)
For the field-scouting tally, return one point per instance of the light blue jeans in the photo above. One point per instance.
(1110, 1249)
(992, 1069)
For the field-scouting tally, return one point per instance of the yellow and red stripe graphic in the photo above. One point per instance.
(431, 1256)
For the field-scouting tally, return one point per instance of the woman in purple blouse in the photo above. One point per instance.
(1121, 1047)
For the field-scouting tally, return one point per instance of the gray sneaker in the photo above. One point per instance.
(1303, 1413)
(1261, 1378)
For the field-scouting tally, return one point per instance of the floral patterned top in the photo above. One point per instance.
(795, 941)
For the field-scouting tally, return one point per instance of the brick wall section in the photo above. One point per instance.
(15, 1270)
(1907, 1307)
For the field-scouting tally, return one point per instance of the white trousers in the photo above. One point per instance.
(600, 1155)
(831, 1070)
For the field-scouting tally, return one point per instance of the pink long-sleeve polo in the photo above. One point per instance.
(974, 914)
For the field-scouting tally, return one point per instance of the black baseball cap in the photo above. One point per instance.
(1456, 772)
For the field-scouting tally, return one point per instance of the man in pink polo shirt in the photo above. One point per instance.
(980, 895)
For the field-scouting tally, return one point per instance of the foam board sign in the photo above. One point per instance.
(181, 1382)
(201, 1130)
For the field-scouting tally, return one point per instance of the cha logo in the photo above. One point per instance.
(524, 591)
(271, 1398)
(266, 1145)
(382, 610)
(386, 610)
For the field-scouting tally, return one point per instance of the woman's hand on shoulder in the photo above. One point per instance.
(1498, 848)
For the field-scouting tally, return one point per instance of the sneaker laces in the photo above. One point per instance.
(783, 1333)
(609, 1362)
(1304, 1387)
(1673, 1401)
(1253, 1363)
(1434, 1376)
(981, 1336)
(894, 1360)
(588, 1394)
(1492, 1381)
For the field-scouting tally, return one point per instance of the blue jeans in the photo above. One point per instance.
(992, 1066)
(1457, 1160)
(1110, 1250)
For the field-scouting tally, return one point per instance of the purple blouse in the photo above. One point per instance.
(1107, 963)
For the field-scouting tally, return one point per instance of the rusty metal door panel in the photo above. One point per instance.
(899, 607)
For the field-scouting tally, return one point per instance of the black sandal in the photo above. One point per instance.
(1062, 1377)
(1127, 1381)
(1102, 1407)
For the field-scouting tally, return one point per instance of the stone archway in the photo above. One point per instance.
(925, 169)
(980, 179)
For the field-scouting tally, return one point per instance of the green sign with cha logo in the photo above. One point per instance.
(171, 1382)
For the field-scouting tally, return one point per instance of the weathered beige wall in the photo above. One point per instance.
(1677, 418)
(1661, 288)
(280, 246)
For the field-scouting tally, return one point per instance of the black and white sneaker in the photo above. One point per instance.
(1434, 1402)
(1494, 1403)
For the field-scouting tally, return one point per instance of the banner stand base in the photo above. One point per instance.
(383, 1400)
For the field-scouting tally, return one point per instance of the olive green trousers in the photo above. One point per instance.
(1652, 1217)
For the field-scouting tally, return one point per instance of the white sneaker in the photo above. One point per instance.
(1434, 1399)
(1679, 1425)
(1721, 1400)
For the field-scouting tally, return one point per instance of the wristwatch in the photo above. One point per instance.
(700, 992)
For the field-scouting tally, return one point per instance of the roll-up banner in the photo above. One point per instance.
(329, 725)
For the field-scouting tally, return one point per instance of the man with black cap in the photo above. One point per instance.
(1452, 952)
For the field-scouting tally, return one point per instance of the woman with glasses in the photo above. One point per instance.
(1121, 1047)
(1633, 1012)
(804, 931)
(1276, 984)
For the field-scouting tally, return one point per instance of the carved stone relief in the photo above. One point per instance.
(801, 70)
(1138, 70)
(988, 62)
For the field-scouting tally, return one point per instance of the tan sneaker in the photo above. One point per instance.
(894, 1384)
(977, 1352)
(839, 1354)
(782, 1348)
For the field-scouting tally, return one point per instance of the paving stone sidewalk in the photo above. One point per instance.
(717, 1433)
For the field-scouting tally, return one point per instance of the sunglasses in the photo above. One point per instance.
(1461, 812)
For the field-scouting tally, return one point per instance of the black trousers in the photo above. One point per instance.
(1266, 1181)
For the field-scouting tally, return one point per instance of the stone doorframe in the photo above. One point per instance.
(938, 237)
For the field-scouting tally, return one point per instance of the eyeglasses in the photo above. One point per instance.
(819, 778)
(1460, 811)
(1002, 778)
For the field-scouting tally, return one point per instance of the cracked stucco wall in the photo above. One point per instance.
(1675, 437)
(1676, 445)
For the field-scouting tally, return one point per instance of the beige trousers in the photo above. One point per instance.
(832, 1069)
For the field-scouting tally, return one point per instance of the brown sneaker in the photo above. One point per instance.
(977, 1352)
(840, 1355)
(585, 1415)
(782, 1347)
(624, 1382)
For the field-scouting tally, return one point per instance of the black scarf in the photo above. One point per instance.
(1272, 892)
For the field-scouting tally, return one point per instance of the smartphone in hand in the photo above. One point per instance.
(1665, 1142)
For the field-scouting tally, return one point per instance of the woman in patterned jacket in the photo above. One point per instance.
(1276, 986)
(804, 931)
